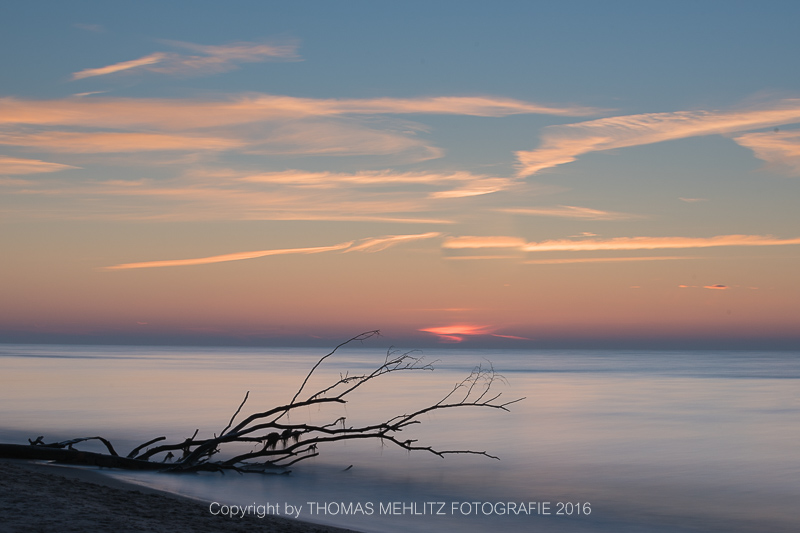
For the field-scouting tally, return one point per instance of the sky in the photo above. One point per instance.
(505, 174)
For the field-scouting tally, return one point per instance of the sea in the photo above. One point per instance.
(603, 441)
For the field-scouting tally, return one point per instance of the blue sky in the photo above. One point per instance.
(518, 171)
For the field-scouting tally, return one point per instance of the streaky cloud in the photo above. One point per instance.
(484, 242)
(618, 243)
(182, 114)
(15, 165)
(457, 332)
(378, 244)
(601, 260)
(114, 142)
(228, 257)
(778, 149)
(327, 179)
(150, 59)
(563, 144)
(373, 244)
(571, 211)
(213, 59)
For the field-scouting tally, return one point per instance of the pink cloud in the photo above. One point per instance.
(563, 144)
(457, 332)
(779, 149)
(212, 59)
(619, 243)
(571, 211)
(15, 165)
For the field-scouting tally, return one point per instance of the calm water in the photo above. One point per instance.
(652, 441)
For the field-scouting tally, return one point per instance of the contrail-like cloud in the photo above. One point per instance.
(211, 59)
(563, 144)
(571, 211)
(119, 67)
(619, 243)
(229, 257)
(372, 244)
(15, 165)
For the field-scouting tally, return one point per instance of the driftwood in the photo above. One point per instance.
(275, 442)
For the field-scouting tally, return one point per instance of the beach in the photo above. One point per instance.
(38, 497)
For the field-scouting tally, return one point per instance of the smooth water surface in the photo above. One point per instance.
(652, 441)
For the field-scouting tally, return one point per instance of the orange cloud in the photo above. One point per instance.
(213, 59)
(302, 178)
(570, 211)
(781, 149)
(14, 165)
(484, 242)
(619, 243)
(337, 138)
(477, 187)
(716, 287)
(374, 244)
(79, 142)
(457, 332)
(228, 257)
(187, 114)
(471, 184)
(600, 260)
(563, 144)
(119, 67)
(378, 244)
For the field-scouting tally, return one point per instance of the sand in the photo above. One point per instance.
(37, 497)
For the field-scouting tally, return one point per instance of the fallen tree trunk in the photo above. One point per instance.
(74, 457)
(275, 442)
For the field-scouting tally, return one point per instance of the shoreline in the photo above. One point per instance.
(47, 497)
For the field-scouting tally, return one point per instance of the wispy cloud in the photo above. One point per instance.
(601, 260)
(119, 67)
(779, 149)
(378, 244)
(372, 244)
(14, 165)
(211, 59)
(326, 180)
(456, 184)
(182, 114)
(570, 211)
(718, 287)
(253, 124)
(204, 194)
(110, 142)
(484, 242)
(692, 200)
(457, 332)
(619, 243)
(563, 144)
(339, 138)
(228, 257)
(478, 257)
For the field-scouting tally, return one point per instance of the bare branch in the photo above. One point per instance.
(247, 394)
(277, 444)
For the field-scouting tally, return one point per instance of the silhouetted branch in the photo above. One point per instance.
(277, 444)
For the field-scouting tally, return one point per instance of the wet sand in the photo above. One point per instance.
(37, 497)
